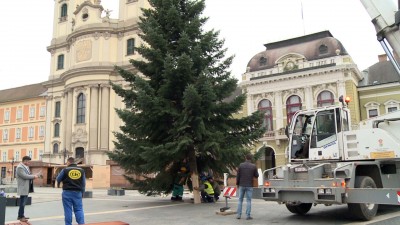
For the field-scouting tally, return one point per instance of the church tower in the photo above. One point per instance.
(84, 49)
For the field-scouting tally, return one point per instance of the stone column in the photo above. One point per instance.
(278, 110)
(308, 97)
(105, 117)
(48, 145)
(68, 124)
(249, 101)
(341, 88)
(94, 109)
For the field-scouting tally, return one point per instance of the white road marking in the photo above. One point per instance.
(103, 212)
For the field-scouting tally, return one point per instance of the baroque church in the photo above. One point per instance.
(80, 101)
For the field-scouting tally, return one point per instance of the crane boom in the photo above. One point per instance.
(386, 18)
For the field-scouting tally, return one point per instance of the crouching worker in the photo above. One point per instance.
(180, 180)
(216, 188)
(206, 188)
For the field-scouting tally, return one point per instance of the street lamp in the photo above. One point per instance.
(12, 169)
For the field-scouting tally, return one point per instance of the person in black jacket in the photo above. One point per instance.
(244, 180)
(74, 182)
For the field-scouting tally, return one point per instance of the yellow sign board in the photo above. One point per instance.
(380, 155)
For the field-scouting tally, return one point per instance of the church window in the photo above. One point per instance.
(323, 49)
(64, 10)
(80, 114)
(293, 104)
(55, 148)
(265, 107)
(57, 109)
(325, 98)
(57, 130)
(130, 50)
(60, 62)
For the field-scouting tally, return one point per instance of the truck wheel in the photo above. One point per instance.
(300, 209)
(363, 211)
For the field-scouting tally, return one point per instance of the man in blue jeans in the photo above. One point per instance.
(244, 180)
(73, 179)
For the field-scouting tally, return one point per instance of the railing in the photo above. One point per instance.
(276, 134)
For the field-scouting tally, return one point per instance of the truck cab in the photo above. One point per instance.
(318, 134)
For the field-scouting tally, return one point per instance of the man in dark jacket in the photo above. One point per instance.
(74, 182)
(244, 180)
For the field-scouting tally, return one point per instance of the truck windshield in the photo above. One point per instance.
(324, 130)
(303, 124)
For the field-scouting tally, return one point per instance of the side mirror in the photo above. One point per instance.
(287, 131)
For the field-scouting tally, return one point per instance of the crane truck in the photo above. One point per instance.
(331, 163)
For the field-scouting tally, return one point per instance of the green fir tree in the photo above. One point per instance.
(177, 107)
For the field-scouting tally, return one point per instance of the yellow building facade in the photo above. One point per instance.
(379, 91)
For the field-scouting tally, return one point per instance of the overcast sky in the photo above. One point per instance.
(245, 25)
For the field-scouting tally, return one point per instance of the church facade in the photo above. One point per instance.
(81, 117)
(80, 102)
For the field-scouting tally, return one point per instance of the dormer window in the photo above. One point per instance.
(263, 61)
(323, 49)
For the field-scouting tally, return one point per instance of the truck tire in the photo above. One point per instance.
(363, 211)
(300, 209)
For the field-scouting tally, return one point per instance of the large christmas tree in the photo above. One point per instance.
(177, 107)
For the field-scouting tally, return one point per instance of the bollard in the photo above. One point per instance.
(3, 201)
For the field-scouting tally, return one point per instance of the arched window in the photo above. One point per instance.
(55, 148)
(80, 110)
(64, 10)
(57, 130)
(293, 104)
(130, 46)
(60, 62)
(323, 49)
(265, 106)
(325, 98)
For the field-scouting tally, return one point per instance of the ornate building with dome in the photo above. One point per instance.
(300, 73)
